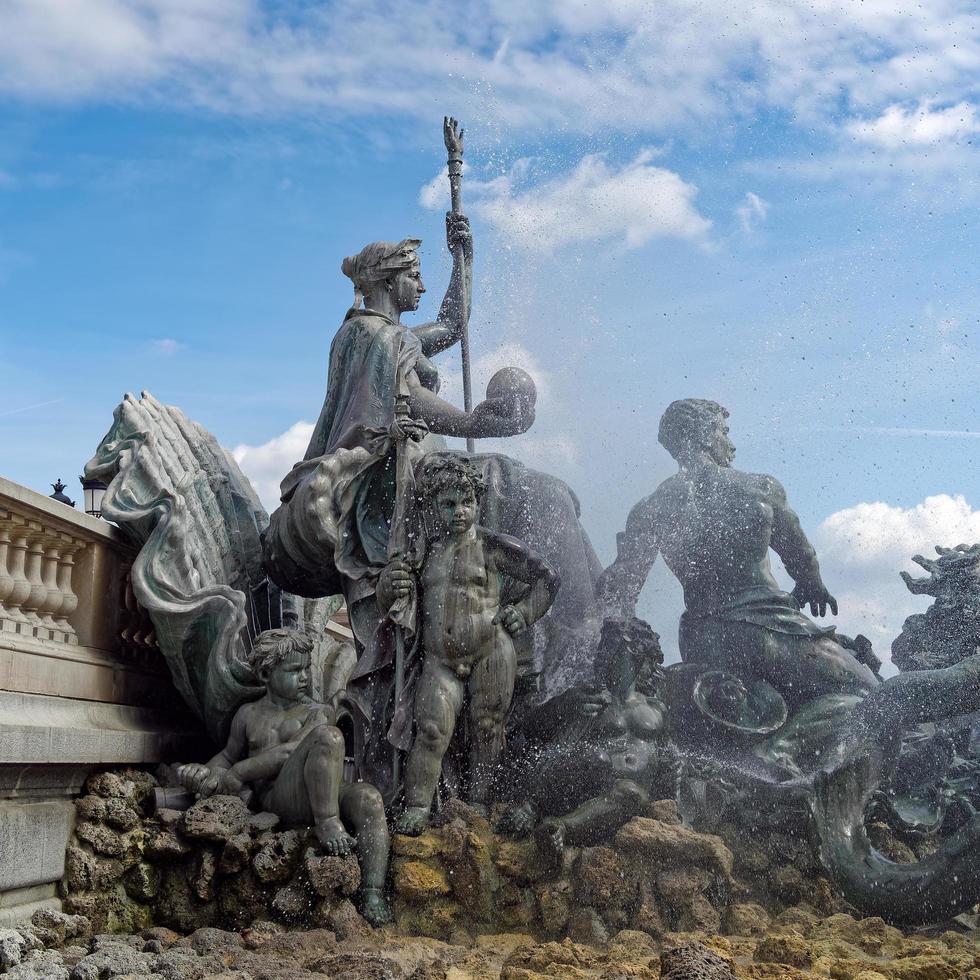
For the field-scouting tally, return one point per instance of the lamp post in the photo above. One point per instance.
(94, 491)
(59, 493)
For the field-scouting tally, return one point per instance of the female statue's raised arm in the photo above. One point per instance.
(454, 313)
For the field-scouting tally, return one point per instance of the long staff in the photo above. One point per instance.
(453, 136)
(398, 545)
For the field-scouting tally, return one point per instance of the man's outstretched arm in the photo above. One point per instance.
(637, 547)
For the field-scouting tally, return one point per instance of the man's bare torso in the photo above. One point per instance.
(715, 531)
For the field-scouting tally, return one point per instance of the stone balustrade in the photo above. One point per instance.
(82, 683)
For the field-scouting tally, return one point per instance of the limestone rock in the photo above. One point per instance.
(13, 946)
(417, 882)
(210, 940)
(675, 844)
(584, 926)
(665, 811)
(235, 854)
(694, 961)
(330, 875)
(111, 959)
(43, 966)
(216, 818)
(277, 859)
(790, 948)
(748, 919)
(53, 927)
(162, 844)
(554, 905)
(426, 845)
(291, 902)
(100, 838)
(519, 860)
(205, 869)
(142, 882)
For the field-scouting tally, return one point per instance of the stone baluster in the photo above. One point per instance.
(17, 567)
(34, 602)
(69, 601)
(49, 576)
(6, 579)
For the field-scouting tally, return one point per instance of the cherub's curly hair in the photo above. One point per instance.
(273, 647)
(446, 472)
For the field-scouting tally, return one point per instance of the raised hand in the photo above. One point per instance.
(459, 235)
(453, 136)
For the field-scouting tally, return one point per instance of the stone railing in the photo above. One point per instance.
(82, 684)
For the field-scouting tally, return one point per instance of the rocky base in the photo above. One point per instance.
(216, 864)
(217, 891)
(799, 947)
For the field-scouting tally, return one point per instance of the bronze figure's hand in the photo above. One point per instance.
(816, 596)
(512, 620)
(395, 582)
(459, 235)
(453, 136)
(502, 417)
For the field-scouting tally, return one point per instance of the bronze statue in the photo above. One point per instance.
(612, 756)
(285, 753)
(466, 631)
(714, 526)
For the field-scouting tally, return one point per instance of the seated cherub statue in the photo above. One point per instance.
(285, 753)
(613, 757)
(466, 631)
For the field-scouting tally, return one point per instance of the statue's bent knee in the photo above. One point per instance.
(327, 737)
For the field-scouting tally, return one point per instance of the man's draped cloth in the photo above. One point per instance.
(330, 533)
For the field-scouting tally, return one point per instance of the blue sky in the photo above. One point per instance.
(770, 204)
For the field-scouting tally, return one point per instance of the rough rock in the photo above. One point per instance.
(43, 966)
(102, 839)
(216, 819)
(747, 919)
(111, 959)
(330, 875)
(277, 859)
(585, 926)
(13, 945)
(694, 961)
(674, 844)
(418, 882)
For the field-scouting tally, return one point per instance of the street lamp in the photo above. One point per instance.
(59, 493)
(94, 492)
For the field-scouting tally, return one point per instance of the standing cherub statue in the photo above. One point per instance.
(465, 630)
(287, 750)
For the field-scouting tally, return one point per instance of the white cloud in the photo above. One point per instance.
(898, 127)
(752, 212)
(266, 465)
(621, 65)
(165, 346)
(863, 548)
(593, 202)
